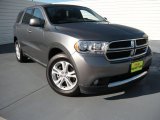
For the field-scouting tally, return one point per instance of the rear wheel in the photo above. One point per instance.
(62, 76)
(19, 54)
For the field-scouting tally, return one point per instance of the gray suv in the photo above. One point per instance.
(81, 50)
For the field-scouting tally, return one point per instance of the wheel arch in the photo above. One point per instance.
(54, 51)
(15, 39)
(57, 49)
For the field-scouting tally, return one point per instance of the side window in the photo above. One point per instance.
(19, 17)
(27, 16)
(38, 14)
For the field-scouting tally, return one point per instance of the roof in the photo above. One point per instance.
(50, 5)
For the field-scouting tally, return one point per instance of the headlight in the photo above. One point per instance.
(145, 36)
(97, 47)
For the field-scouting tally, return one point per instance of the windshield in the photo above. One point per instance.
(71, 14)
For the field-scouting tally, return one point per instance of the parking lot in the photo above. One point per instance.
(26, 95)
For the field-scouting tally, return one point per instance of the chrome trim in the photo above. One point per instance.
(142, 53)
(119, 48)
(126, 47)
(140, 45)
(119, 58)
(118, 83)
(132, 49)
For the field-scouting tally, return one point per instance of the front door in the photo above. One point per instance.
(36, 38)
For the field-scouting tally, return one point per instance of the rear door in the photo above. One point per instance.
(17, 25)
(24, 31)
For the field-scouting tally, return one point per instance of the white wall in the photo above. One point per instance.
(8, 13)
(141, 14)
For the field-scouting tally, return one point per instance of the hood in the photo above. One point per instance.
(99, 31)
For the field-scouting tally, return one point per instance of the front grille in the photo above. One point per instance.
(118, 54)
(120, 44)
(141, 42)
(140, 51)
(124, 49)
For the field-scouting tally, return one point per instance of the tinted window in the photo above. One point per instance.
(38, 14)
(70, 14)
(19, 17)
(27, 16)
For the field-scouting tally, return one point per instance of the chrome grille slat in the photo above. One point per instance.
(141, 42)
(146, 48)
(136, 49)
(119, 48)
(115, 54)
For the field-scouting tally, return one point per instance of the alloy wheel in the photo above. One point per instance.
(64, 75)
(17, 51)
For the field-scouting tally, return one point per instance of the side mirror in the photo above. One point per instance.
(36, 22)
(106, 19)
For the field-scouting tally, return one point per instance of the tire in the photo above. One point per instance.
(62, 76)
(19, 53)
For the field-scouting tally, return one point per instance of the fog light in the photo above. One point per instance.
(95, 82)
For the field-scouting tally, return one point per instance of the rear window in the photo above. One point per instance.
(27, 16)
(19, 17)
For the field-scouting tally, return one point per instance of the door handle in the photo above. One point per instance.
(29, 30)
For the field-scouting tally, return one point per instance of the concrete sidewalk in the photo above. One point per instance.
(25, 95)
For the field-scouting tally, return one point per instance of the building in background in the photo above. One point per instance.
(141, 14)
(9, 10)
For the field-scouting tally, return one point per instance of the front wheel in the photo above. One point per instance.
(62, 76)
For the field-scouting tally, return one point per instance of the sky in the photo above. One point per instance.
(53, 1)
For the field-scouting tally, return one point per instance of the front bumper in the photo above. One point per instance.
(95, 67)
(113, 86)
(125, 81)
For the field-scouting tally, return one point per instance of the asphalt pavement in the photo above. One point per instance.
(26, 95)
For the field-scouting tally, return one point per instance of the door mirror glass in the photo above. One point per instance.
(36, 22)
